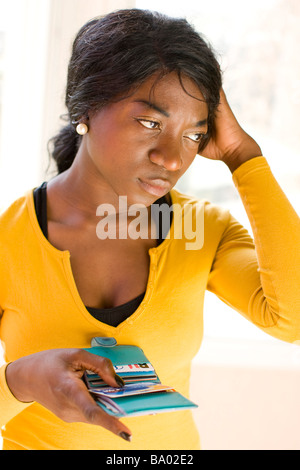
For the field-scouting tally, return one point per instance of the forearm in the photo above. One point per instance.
(245, 151)
(234, 164)
(276, 231)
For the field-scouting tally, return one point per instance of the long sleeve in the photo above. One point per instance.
(9, 405)
(261, 280)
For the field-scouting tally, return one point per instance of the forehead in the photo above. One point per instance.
(170, 94)
(171, 89)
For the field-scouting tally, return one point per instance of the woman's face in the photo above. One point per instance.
(140, 146)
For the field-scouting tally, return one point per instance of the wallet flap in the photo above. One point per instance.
(120, 354)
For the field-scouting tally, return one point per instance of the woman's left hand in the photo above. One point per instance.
(230, 143)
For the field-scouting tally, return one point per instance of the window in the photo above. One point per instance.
(24, 58)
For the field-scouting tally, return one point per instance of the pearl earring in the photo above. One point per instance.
(82, 129)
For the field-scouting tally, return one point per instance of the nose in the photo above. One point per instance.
(167, 154)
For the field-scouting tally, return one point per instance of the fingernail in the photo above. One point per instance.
(125, 436)
(119, 381)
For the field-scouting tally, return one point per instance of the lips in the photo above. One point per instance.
(155, 186)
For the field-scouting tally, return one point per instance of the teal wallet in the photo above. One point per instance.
(142, 394)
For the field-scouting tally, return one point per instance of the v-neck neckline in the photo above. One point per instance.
(64, 256)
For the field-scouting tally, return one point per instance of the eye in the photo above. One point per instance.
(196, 137)
(149, 124)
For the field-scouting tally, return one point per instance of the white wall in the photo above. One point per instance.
(22, 100)
(248, 395)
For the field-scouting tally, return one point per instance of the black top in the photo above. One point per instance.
(111, 316)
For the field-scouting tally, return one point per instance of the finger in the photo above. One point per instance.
(93, 413)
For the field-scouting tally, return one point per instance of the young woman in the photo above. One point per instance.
(144, 97)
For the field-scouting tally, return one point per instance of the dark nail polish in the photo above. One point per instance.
(119, 381)
(125, 436)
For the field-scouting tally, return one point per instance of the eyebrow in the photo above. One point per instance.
(154, 106)
(151, 105)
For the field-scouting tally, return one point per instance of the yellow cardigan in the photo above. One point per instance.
(40, 307)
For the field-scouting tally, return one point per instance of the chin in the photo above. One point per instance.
(145, 201)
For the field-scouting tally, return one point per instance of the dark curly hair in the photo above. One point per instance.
(114, 54)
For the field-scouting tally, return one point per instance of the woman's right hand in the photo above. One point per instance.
(53, 378)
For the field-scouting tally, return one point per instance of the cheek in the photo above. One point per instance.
(110, 143)
(101, 147)
(112, 158)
